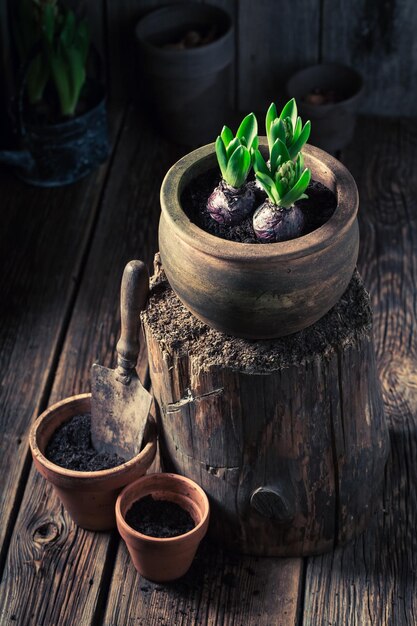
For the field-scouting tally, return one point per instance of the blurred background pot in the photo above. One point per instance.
(328, 94)
(164, 559)
(187, 85)
(53, 155)
(89, 497)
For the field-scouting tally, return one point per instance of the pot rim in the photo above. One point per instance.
(162, 540)
(341, 220)
(336, 66)
(164, 53)
(98, 475)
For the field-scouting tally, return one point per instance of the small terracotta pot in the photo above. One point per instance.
(164, 559)
(89, 497)
(259, 291)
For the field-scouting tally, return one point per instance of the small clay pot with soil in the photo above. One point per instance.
(162, 518)
(90, 483)
(255, 290)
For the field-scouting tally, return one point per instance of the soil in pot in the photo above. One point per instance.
(70, 446)
(159, 518)
(319, 96)
(319, 207)
(194, 38)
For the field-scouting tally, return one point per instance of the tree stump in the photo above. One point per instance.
(286, 436)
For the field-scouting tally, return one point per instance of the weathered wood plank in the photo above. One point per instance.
(373, 580)
(220, 589)
(44, 237)
(378, 39)
(54, 572)
(274, 39)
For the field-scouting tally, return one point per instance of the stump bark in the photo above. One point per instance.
(286, 436)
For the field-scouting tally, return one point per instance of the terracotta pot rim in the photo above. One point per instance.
(98, 475)
(128, 530)
(341, 220)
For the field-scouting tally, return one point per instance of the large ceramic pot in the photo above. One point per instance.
(259, 291)
(156, 558)
(89, 497)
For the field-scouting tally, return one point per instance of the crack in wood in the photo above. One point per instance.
(189, 398)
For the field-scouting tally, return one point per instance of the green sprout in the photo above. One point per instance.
(284, 181)
(287, 127)
(63, 43)
(235, 154)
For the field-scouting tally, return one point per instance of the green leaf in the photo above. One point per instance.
(297, 129)
(48, 25)
(259, 164)
(277, 131)
(302, 139)
(290, 110)
(279, 149)
(238, 167)
(68, 30)
(248, 129)
(226, 135)
(37, 77)
(298, 190)
(221, 155)
(233, 145)
(271, 115)
(83, 40)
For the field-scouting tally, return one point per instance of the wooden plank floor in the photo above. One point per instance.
(62, 253)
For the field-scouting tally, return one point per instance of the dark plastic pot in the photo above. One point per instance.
(60, 154)
(188, 89)
(332, 124)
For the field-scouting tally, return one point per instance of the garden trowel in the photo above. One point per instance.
(119, 404)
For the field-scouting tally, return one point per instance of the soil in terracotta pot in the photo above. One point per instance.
(317, 209)
(159, 518)
(70, 447)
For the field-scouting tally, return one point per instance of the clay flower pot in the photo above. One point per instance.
(164, 559)
(89, 497)
(332, 123)
(259, 291)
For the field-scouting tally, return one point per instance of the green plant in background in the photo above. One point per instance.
(234, 198)
(234, 154)
(286, 127)
(59, 44)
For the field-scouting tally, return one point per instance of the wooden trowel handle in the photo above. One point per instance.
(133, 295)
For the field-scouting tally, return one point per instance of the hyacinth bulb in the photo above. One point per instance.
(231, 206)
(272, 223)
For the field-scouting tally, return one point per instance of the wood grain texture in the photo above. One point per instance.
(275, 39)
(378, 39)
(220, 589)
(60, 578)
(44, 237)
(373, 580)
(291, 453)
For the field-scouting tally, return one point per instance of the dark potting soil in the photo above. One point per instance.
(70, 446)
(179, 332)
(159, 518)
(317, 209)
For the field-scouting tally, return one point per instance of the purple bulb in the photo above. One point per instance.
(272, 223)
(228, 205)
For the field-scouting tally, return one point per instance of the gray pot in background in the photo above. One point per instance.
(332, 124)
(187, 90)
